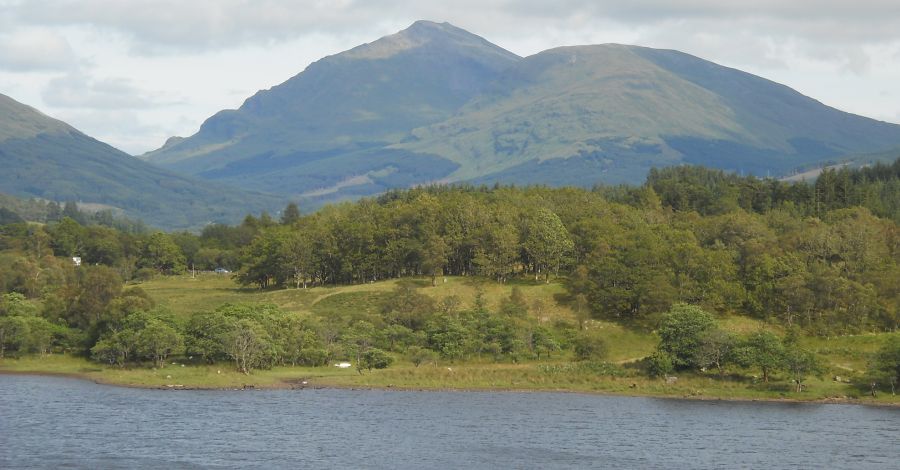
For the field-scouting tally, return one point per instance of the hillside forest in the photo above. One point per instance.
(674, 255)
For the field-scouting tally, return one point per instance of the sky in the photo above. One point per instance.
(133, 73)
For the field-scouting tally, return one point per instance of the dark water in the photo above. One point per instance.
(63, 423)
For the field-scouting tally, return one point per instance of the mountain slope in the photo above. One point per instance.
(435, 103)
(332, 121)
(46, 158)
(578, 115)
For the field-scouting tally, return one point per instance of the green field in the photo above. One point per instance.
(184, 295)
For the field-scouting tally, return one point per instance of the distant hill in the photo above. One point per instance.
(435, 103)
(46, 158)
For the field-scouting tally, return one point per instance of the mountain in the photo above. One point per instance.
(47, 158)
(330, 125)
(436, 103)
(576, 115)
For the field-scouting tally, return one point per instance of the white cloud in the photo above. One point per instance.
(167, 25)
(126, 130)
(79, 90)
(34, 50)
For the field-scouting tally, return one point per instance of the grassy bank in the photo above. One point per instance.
(845, 356)
(548, 376)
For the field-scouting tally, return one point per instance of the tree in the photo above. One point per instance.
(589, 346)
(358, 340)
(886, 364)
(582, 310)
(375, 358)
(248, 344)
(659, 364)
(114, 348)
(67, 237)
(407, 306)
(96, 287)
(261, 260)
(163, 255)
(516, 305)
(156, 341)
(496, 250)
(547, 242)
(40, 335)
(763, 350)
(290, 215)
(448, 336)
(13, 331)
(799, 363)
(682, 332)
(715, 349)
(419, 355)
(543, 342)
(205, 335)
(434, 257)
(297, 253)
(15, 304)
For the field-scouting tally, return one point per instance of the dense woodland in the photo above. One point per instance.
(817, 258)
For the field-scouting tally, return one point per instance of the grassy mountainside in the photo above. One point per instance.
(611, 112)
(331, 122)
(46, 158)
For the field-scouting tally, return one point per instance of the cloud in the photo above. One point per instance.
(35, 50)
(161, 26)
(79, 90)
(123, 129)
(157, 26)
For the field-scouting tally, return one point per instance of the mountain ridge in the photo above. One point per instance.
(52, 160)
(436, 103)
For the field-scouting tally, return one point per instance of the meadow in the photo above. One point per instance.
(844, 356)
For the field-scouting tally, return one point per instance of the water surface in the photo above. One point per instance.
(49, 422)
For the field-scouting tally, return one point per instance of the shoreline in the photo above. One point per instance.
(312, 385)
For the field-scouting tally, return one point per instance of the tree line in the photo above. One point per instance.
(823, 258)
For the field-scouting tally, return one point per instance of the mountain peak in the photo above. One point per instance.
(419, 34)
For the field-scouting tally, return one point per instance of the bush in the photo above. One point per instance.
(589, 346)
(144, 274)
(375, 359)
(682, 334)
(419, 355)
(659, 364)
(312, 357)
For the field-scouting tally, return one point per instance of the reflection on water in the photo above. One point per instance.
(50, 422)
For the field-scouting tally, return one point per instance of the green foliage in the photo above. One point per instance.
(885, 366)
(660, 364)
(589, 346)
(13, 333)
(832, 274)
(799, 363)
(375, 359)
(547, 241)
(156, 341)
(162, 254)
(682, 333)
(419, 355)
(763, 350)
(249, 345)
(291, 214)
